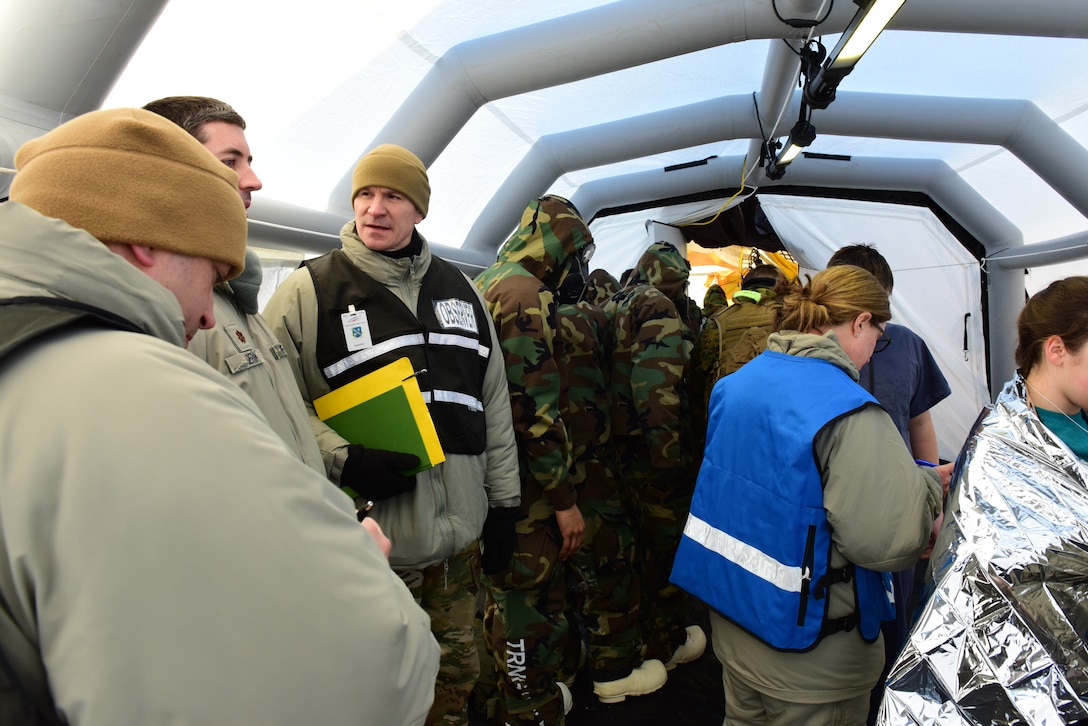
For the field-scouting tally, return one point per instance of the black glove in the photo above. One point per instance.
(376, 474)
(499, 538)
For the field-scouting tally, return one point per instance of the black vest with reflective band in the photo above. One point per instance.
(447, 337)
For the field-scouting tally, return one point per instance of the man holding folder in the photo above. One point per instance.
(383, 296)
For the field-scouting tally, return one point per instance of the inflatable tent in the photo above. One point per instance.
(956, 145)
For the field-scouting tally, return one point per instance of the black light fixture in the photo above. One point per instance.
(801, 135)
(871, 18)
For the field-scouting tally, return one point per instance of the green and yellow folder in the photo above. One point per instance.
(384, 410)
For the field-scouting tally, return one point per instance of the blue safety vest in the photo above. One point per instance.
(756, 546)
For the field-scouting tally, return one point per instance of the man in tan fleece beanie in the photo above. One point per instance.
(384, 296)
(164, 558)
(148, 191)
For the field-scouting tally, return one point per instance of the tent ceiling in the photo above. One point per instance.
(531, 83)
(320, 86)
(978, 104)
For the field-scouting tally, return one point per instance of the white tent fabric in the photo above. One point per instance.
(977, 102)
(937, 287)
(937, 292)
(626, 234)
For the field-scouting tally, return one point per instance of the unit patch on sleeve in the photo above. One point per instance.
(455, 313)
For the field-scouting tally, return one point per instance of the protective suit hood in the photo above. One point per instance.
(549, 238)
(663, 267)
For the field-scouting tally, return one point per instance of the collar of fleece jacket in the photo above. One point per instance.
(551, 233)
(665, 268)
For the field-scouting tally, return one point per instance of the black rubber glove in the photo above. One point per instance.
(499, 538)
(376, 474)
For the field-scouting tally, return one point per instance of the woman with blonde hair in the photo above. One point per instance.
(806, 500)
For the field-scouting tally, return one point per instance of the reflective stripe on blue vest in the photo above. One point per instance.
(757, 544)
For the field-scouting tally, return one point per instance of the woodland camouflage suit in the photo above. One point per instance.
(714, 300)
(609, 585)
(650, 431)
(525, 615)
(601, 287)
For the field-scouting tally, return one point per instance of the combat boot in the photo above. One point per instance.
(647, 678)
(692, 649)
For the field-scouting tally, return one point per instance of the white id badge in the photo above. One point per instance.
(356, 330)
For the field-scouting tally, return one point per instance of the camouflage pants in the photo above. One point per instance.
(660, 500)
(525, 627)
(606, 580)
(447, 592)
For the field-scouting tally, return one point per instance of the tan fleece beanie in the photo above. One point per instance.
(393, 167)
(129, 176)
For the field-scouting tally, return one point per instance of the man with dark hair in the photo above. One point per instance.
(906, 380)
(867, 258)
(163, 558)
(241, 346)
(904, 377)
(192, 113)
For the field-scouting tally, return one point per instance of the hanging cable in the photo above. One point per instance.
(810, 52)
(725, 205)
(801, 22)
(966, 348)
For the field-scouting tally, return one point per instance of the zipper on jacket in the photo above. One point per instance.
(406, 284)
(446, 574)
(806, 574)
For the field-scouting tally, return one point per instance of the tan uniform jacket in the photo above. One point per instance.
(162, 554)
(445, 512)
(244, 349)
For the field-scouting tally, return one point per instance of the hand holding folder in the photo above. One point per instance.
(375, 474)
(384, 410)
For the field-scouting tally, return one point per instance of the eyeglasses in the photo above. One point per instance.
(883, 341)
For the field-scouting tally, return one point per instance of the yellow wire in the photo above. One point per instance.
(725, 204)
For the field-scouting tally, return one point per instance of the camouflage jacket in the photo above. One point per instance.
(601, 287)
(519, 290)
(730, 337)
(583, 359)
(714, 300)
(648, 354)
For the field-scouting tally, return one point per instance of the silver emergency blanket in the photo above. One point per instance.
(1000, 636)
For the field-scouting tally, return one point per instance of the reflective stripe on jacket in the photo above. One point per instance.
(446, 339)
(757, 544)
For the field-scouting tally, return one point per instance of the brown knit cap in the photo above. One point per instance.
(129, 176)
(396, 168)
